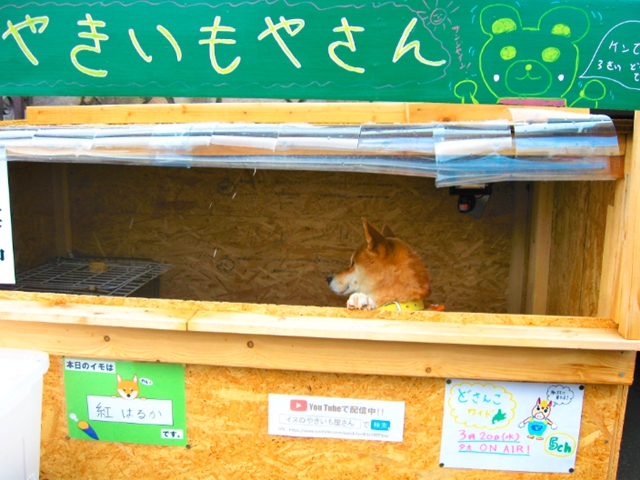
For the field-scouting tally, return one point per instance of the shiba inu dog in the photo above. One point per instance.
(384, 272)
(128, 389)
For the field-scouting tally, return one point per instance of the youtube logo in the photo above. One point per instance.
(298, 405)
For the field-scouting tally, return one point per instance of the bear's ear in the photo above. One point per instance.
(497, 19)
(567, 22)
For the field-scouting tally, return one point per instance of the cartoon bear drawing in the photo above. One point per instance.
(537, 65)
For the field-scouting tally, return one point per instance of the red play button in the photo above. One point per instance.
(298, 405)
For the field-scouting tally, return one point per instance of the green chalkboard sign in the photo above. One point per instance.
(567, 53)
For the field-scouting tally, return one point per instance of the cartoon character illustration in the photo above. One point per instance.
(128, 389)
(538, 65)
(539, 419)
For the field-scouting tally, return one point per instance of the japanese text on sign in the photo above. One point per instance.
(320, 417)
(139, 411)
(98, 366)
(291, 27)
(511, 426)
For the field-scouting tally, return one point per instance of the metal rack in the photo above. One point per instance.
(114, 277)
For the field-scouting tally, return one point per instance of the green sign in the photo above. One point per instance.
(126, 401)
(459, 51)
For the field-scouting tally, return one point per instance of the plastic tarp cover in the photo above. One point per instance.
(535, 144)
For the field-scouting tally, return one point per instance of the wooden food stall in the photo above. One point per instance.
(542, 288)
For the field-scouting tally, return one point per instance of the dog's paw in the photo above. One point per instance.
(360, 301)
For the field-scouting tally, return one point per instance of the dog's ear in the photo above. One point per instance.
(387, 232)
(373, 236)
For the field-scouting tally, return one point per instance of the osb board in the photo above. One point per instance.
(579, 220)
(274, 236)
(32, 215)
(227, 433)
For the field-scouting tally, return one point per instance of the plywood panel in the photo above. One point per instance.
(227, 424)
(274, 237)
(33, 222)
(580, 217)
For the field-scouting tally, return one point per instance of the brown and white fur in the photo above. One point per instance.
(383, 270)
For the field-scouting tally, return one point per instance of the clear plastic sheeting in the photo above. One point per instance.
(534, 145)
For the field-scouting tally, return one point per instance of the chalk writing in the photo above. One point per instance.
(223, 33)
(95, 48)
(213, 41)
(404, 47)
(286, 24)
(14, 31)
(350, 44)
(617, 57)
(514, 53)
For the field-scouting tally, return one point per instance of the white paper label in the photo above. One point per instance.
(343, 418)
(7, 268)
(525, 427)
(139, 411)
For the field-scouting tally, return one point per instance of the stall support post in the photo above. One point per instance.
(625, 306)
(539, 248)
(61, 209)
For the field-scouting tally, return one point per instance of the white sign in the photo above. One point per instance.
(344, 418)
(525, 427)
(97, 366)
(141, 411)
(7, 267)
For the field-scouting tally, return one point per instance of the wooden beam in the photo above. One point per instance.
(322, 354)
(322, 112)
(102, 315)
(343, 113)
(540, 248)
(429, 328)
(518, 265)
(412, 332)
(613, 241)
(626, 309)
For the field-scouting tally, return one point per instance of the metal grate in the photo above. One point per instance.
(114, 277)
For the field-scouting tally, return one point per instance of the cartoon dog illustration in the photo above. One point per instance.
(539, 420)
(128, 389)
(537, 65)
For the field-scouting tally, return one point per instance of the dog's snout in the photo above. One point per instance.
(329, 279)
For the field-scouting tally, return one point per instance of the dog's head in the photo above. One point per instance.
(384, 268)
